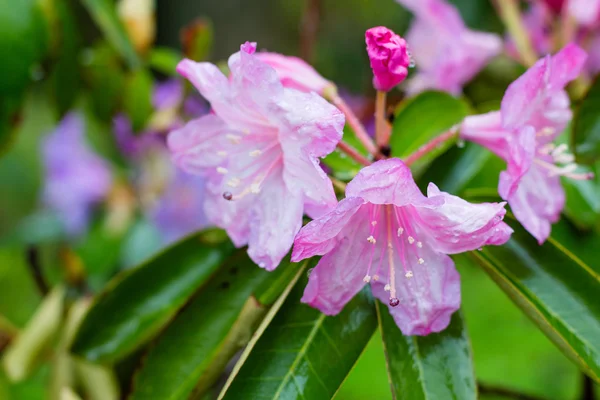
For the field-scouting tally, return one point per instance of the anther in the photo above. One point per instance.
(400, 231)
(222, 153)
(373, 223)
(394, 301)
(227, 196)
(234, 139)
(367, 278)
(233, 182)
(421, 261)
(408, 274)
(411, 239)
(371, 239)
(255, 188)
(419, 244)
(375, 277)
(255, 153)
(222, 171)
(387, 287)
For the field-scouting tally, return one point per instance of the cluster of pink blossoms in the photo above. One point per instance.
(260, 147)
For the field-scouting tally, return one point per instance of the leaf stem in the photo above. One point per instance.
(355, 124)
(381, 139)
(511, 16)
(353, 153)
(432, 145)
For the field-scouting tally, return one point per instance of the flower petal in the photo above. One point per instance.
(427, 299)
(487, 131)
(320, 235)
(520, 158)
(567, 64)
(537, 202)
(339, 274)
(275, 219)
(386, 182)
(295, 73)
(458, 226)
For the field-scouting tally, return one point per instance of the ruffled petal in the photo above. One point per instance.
(339, 274)
(521, 154)
(275, 219)
(427, 299)
(585, 11)
(487, 131)
(295, 73)
(320, 235)
(196, 146)
(387, 182)
(232, 216)
(538, 202)
(567, 64)
(458, 226)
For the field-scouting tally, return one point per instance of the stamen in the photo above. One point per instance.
(222, 153)
(564, 158)
(394, 301)
(222, 170)
(373, 223)
(255, 153)
(400, 231)
(547, 131)
(411, 239)
(375, 277)
(371, 239)
(255, 188)
(560, 149)
(367, 278)
(547, 148)
(392, 269)
(387, 287)
(421, 261)
(233, 182)
(419, 244)
(566, 171)
(233, 139)
(408, 274)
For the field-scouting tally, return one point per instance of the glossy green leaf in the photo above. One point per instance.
(585, 137)
(201, 339)
(138, 98)
(304, 354)
(558, 291)
(422, 118)
(583, 200)
(140, 301)
(23, 42)
(105, 15)
(437, 366)
(342, 166)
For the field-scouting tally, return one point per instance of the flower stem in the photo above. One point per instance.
(511, 16)
(353, 153)
(381, 136)
(430, 146)
(357, 127)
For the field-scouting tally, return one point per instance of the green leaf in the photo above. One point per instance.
(422, 118)
(140, 301)
(437, 366)
(585, 138)
(105, 15)
(304, 354)
(23, 42)
(583, 200)
(201, 340)
(138, 98)
(558, 291)
(164, 60)
(342, 166)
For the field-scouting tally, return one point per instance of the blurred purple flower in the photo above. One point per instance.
(534, 112)
(447, 53)
(75, 177)
(386, 233)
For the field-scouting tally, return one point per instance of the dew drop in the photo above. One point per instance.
(227, 196)
(394, 301)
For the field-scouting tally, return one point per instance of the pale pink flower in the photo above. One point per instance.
(388, 56)
(446, 52)
(586, 12)
(535, 110)
(296, 73)
(259, 150)
(386, 233)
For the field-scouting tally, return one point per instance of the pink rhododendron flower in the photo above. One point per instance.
(75, 177)
(386, 233)
(296, 73)
(535, 110)
(555, 6)
(260, 153)
(586, 12)
(447, 53)
(388, 56)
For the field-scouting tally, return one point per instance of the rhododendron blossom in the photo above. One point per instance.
(386, 233)
(296, 73)
(260, 153)
(586, 12)
(76, 177)
(388, 56)
(446, 52)
(534, 112)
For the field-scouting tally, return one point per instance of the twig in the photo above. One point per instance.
(380, 122)
(432, 145)
(500, 391)
(353, 153)
(359, 130)
(33, 261)
(309, 28)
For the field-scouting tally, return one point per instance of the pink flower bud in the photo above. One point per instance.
(389, 57)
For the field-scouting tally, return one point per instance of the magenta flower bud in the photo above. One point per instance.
(389, 57)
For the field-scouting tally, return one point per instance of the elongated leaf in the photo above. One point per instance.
(140, 301)
(304, 354)
(105, 15)
(555, 289)
(341, 165)
(422, 118)
(164, 60)
(585, 137)
(137, 100)
(437, 366)
(209, 331)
